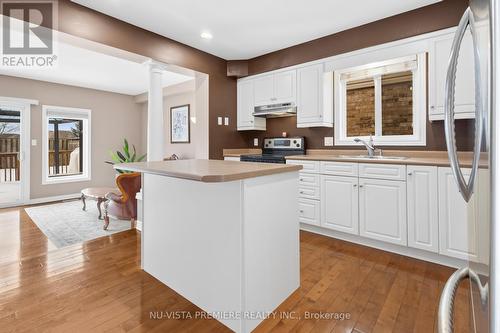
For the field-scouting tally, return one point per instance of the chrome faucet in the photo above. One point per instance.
(369, 145)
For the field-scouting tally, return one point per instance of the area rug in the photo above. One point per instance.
(66, 223)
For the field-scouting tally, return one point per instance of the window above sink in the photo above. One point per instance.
(384, 99)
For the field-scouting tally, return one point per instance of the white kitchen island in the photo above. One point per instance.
(223, 234)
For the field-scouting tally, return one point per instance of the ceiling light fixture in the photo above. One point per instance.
(206, 35)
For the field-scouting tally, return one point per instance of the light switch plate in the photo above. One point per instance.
(226, 121)
(256, 142)
(328, 141)
(219, 120)
(33, 142)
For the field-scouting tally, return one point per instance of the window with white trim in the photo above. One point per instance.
(66, 144)
(385, 100)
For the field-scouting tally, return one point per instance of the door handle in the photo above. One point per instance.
(447, 300)
(466, 188)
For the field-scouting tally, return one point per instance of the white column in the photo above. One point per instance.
(156, 132)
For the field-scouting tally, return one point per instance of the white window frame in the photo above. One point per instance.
(24, 106)
(71, 113)
(418, 138)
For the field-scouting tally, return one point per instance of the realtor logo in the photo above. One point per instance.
(28, 33)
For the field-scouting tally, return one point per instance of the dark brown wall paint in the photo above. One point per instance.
(86, 23)
(439, 16)
(314, 136)
(83, 22)
(237, 68)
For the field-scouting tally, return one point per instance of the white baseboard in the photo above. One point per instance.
(403, 250)
(138, 225)
(53, 198)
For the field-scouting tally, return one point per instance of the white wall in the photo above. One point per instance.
(194, 93)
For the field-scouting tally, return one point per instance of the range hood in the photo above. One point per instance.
(275, 110)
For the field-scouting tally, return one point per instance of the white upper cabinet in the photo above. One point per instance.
(422, 199)
(264, 90)
(382, 210)
(439, 54)
(275, 88)
(245, 108)
(314, 97)
(285, 86)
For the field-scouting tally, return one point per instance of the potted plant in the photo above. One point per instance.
(125, 156)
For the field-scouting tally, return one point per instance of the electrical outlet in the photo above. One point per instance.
(226, 121)
(328, 141)
(33, 142)
(219, 121)
(256, 142)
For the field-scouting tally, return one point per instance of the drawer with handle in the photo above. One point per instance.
(309, 192)
(307, 166)
(309, 211)
(382, 171)
(339, 168)
(307, 179)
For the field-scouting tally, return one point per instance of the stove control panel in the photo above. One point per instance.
(296, 143)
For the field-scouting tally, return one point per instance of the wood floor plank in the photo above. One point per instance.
(98, 286)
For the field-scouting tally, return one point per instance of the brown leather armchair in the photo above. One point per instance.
(123, 206)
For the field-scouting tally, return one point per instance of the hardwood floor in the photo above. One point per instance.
(98, 287)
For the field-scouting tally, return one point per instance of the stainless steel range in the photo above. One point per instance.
(274, 150)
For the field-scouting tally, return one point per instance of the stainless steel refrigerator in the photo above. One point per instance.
(481, 19)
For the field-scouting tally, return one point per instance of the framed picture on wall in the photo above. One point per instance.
(179, 124)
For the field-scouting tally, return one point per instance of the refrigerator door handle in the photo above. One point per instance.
(447, 300)
(466, 188)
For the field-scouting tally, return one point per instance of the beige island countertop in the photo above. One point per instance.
(210, 171)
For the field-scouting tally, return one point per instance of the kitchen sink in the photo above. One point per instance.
(376, 157)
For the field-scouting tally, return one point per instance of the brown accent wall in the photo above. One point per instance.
(438, 16)
(86, 23)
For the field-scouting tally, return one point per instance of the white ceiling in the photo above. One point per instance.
(246, 29)
(105, 70)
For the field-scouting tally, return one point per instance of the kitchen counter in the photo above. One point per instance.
(434, 158)
(208, 171)
(240, 151)
(223, 234)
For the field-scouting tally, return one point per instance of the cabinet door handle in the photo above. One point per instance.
(301, 211)
(432, 107)
(301, 192)
(410, 173)
(360, 185)
(355, 185)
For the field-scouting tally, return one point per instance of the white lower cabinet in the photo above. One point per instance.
(309, 211)
(458, 227)
(382, 210)
(339, 210)
(414, 206)
(422, 206)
